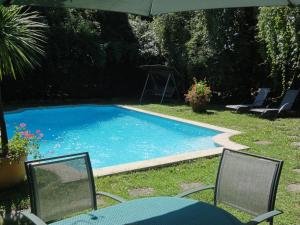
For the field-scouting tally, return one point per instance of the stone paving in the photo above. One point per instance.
(294, 188)
(141, 192)
(296, 144)
(296, 170)
(187, 186)
(100, 201)
(263, 142)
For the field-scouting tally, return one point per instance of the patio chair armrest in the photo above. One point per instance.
(115, 197)
(264, 217)
(33, 218)
(282, 108)
(244, 108)
(191, 191)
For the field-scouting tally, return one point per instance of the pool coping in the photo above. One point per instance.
(222, 139)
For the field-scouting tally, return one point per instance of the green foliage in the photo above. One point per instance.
(199, 89)
(198, 95)
(21, 46)
(88, 54)
(95, 54)
(233, 65)
(219, 44)
(199, 48)
(73, 39)
(172, 34)
(21, 40)
(23, 143)
(279, 31)
(18, 147)
(147, 38)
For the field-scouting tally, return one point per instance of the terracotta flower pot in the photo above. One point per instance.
(200, 105)
(11, 172)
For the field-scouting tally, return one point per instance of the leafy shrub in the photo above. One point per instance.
(199, 95)
(279, 31)
(172, 34)
(219, 43)
(94, 54)
(23, 143)
(90, 54)
(147, 39)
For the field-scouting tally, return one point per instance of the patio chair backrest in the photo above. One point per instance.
(289, 99)
(61, 186)
(247, 182)
(261, 96)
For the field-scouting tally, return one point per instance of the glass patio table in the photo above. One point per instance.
(155, 211)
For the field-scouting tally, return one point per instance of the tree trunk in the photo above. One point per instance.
(4, 138)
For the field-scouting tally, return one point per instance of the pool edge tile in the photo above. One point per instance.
(158, 162)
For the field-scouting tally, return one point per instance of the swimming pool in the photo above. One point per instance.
(112, 135)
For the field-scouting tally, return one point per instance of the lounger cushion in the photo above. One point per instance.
(263, 110)
(237, 106)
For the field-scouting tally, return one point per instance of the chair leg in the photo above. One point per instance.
(271, 221)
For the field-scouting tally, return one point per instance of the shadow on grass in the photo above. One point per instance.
(12, 200)
(210, 108)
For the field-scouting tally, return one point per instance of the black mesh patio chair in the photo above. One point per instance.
(246, 182)
(258, 101)
(60, 187)
(285, 106)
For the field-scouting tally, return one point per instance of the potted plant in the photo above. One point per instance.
(22, 144)
(22, 37)
(198, 95)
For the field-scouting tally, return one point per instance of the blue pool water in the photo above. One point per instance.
(112, 135)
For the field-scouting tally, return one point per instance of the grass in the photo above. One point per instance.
(166, 181)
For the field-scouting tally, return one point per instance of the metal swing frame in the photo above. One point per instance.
(154, 70)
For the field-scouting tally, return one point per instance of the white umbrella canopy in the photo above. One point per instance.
(151, 7)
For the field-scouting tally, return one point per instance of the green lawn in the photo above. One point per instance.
(168, 181)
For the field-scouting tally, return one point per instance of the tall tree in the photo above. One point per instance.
(21, 46)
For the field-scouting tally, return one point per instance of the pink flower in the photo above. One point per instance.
(38, 131)
(22, 125)
(22, 133)
(41, 135)
(30, 136)
(27, 134)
